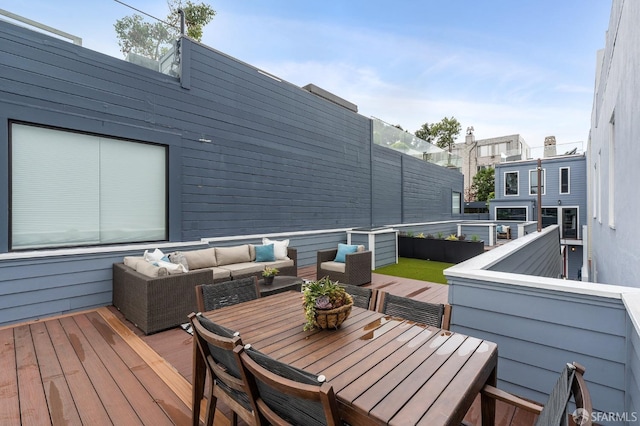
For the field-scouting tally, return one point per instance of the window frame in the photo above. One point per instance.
(517, 173)
(453, 205)
(524, 208)
(568, 184)
(544, 181)
(164, 164)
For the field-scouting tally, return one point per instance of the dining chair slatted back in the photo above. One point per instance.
(432, 314)
(215, 344)
(219, 295)
(363, 297)
(282, 394)
(554, 412)
(570, 382)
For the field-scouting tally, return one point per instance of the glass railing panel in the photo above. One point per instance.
(149, 42)
(390, 136)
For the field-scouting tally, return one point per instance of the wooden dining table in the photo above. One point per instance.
(384, 370)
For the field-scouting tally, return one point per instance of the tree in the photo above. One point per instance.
(153, 40)
(484, 184)
(196, 16)
(443, 133)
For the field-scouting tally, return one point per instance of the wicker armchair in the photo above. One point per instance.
(356, 270)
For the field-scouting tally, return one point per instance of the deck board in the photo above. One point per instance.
(59, 399)
(77, 370)
(9, 401)
(96, 368)
(33, 404)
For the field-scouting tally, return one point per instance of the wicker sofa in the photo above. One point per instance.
(155, 303)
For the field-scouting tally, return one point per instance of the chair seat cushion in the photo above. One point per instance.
(220, 273)
(333, 266)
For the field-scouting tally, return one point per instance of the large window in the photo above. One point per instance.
(456, 199)
(72, 189)
(511, 213)
(565, 177)
(511, 183)
(533, 182)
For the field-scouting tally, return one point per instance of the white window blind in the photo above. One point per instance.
(71, 189)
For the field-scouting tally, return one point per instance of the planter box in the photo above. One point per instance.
(438, 249)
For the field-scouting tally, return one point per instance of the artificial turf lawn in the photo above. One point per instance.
(417, 269)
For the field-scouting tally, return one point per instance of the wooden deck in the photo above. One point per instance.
(96, 368)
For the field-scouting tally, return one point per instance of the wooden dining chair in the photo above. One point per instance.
(219, 295)
(215, 344)
(363, 297)
(554, 412)
(281, 394)
(433, 314)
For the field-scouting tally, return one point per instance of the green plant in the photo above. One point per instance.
(270, 272)
(452, 237)
(409, 233)
(440, 235)
(475, 238)
(322, 294)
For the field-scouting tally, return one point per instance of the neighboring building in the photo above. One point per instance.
(614, 152)
(563, 186)
(481, 154)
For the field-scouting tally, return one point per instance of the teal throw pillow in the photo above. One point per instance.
(265, 253)
(343, 251)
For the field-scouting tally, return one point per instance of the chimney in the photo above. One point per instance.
(550, 146)
(469, 138)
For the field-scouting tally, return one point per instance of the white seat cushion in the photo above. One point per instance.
(333, 266)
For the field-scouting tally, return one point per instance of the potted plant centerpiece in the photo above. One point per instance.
(326, 304)
(269, 274)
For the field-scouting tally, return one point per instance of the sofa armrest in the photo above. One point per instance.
(156, 303)
(359, 260)
(292, 253)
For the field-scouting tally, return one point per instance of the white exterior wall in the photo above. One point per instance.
(615, 249)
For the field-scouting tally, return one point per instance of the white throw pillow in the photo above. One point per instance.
(172, 268)
(155, 256)
(279, 248)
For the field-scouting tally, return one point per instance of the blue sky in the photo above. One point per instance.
(501, 66)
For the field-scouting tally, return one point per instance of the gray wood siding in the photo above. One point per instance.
(537, 331)
(541, 257)
(279, 160)
(387, 186)
(385, 250)
(540, 323)
(577, 196)
(632, 402)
